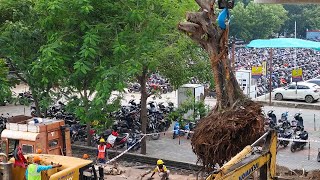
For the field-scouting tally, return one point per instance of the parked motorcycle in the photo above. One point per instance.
(301, 134)
(284, 122)
(134, 140)
(284, 134)
(116, 140)
(298, 119)
(135, 87)
(181, 131)
(25, 98)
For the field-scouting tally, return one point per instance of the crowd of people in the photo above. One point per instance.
(284, 60)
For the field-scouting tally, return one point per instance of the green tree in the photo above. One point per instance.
(256, 21)
(22, 44)
(81, 34)
(147, 38)
(5, 92)
(312, 16)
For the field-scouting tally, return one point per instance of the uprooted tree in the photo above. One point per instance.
(235, 121)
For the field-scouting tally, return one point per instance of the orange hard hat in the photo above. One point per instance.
(85, 156)
(39, 151)
(36, 159)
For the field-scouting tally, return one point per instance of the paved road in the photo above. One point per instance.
(167, 148)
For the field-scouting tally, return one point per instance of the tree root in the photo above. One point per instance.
(222, 134)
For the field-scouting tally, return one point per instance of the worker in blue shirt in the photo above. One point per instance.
(33, 171)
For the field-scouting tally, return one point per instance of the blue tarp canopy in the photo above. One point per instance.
(284, 43)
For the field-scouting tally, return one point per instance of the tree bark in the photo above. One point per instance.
(203, 29)
(36, 101)
(143, 113)
(86, 106)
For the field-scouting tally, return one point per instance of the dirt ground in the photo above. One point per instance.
(135, 172)
(285, 173)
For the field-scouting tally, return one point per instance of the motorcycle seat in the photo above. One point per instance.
(120, 137)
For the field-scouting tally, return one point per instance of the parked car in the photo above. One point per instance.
(302, 91)
(314, 81)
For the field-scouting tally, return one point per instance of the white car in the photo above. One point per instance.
(303, 91)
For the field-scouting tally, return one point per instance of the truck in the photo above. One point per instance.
(50, 139)
(32, 134)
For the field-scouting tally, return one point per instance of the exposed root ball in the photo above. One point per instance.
(221, 135)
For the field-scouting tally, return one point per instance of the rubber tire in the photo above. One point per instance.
(156, 136)
(309, 99)
(164, 91)
(293, 148)
(278, 96)
(285, 143)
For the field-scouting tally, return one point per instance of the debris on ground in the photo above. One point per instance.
(113, 169)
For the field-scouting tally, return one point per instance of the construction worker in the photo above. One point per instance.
(161, 170)
(85, 156)
(33, 171)
(39, 151)
(101, 153)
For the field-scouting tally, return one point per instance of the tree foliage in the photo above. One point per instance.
(256, 20)
(147, 38)
(5, 92)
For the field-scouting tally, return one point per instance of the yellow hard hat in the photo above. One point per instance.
(36, 159)
(159, 162)
(102, 140)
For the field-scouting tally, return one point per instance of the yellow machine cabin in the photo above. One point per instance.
(31, 134)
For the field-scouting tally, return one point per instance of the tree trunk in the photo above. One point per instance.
(235, 121)
(143, 113)
(86, 106)
(36, 101)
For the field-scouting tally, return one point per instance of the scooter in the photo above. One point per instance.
(300, 135)
(283, 134)
(134, 139)
(115, 140)
(271, 120)
(285, 124)
(177, 131)
(298, 119)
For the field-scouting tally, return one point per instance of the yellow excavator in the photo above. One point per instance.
(260, 156)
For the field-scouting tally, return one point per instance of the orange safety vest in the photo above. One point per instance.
(102, 151)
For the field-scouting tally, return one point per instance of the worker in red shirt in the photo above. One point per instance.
(101, 152)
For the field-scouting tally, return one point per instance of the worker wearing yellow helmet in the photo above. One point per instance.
(162, 170)
(101, 153)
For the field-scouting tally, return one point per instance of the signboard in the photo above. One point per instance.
(256, 72)
(296, 75)
(264, 68)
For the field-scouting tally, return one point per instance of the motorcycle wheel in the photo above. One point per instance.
(285, 143)
(164, 91)
(155, 136)
(293, 148)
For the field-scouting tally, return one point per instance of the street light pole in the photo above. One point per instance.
(270, 76)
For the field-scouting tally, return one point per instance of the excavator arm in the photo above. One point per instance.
(250, 160)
